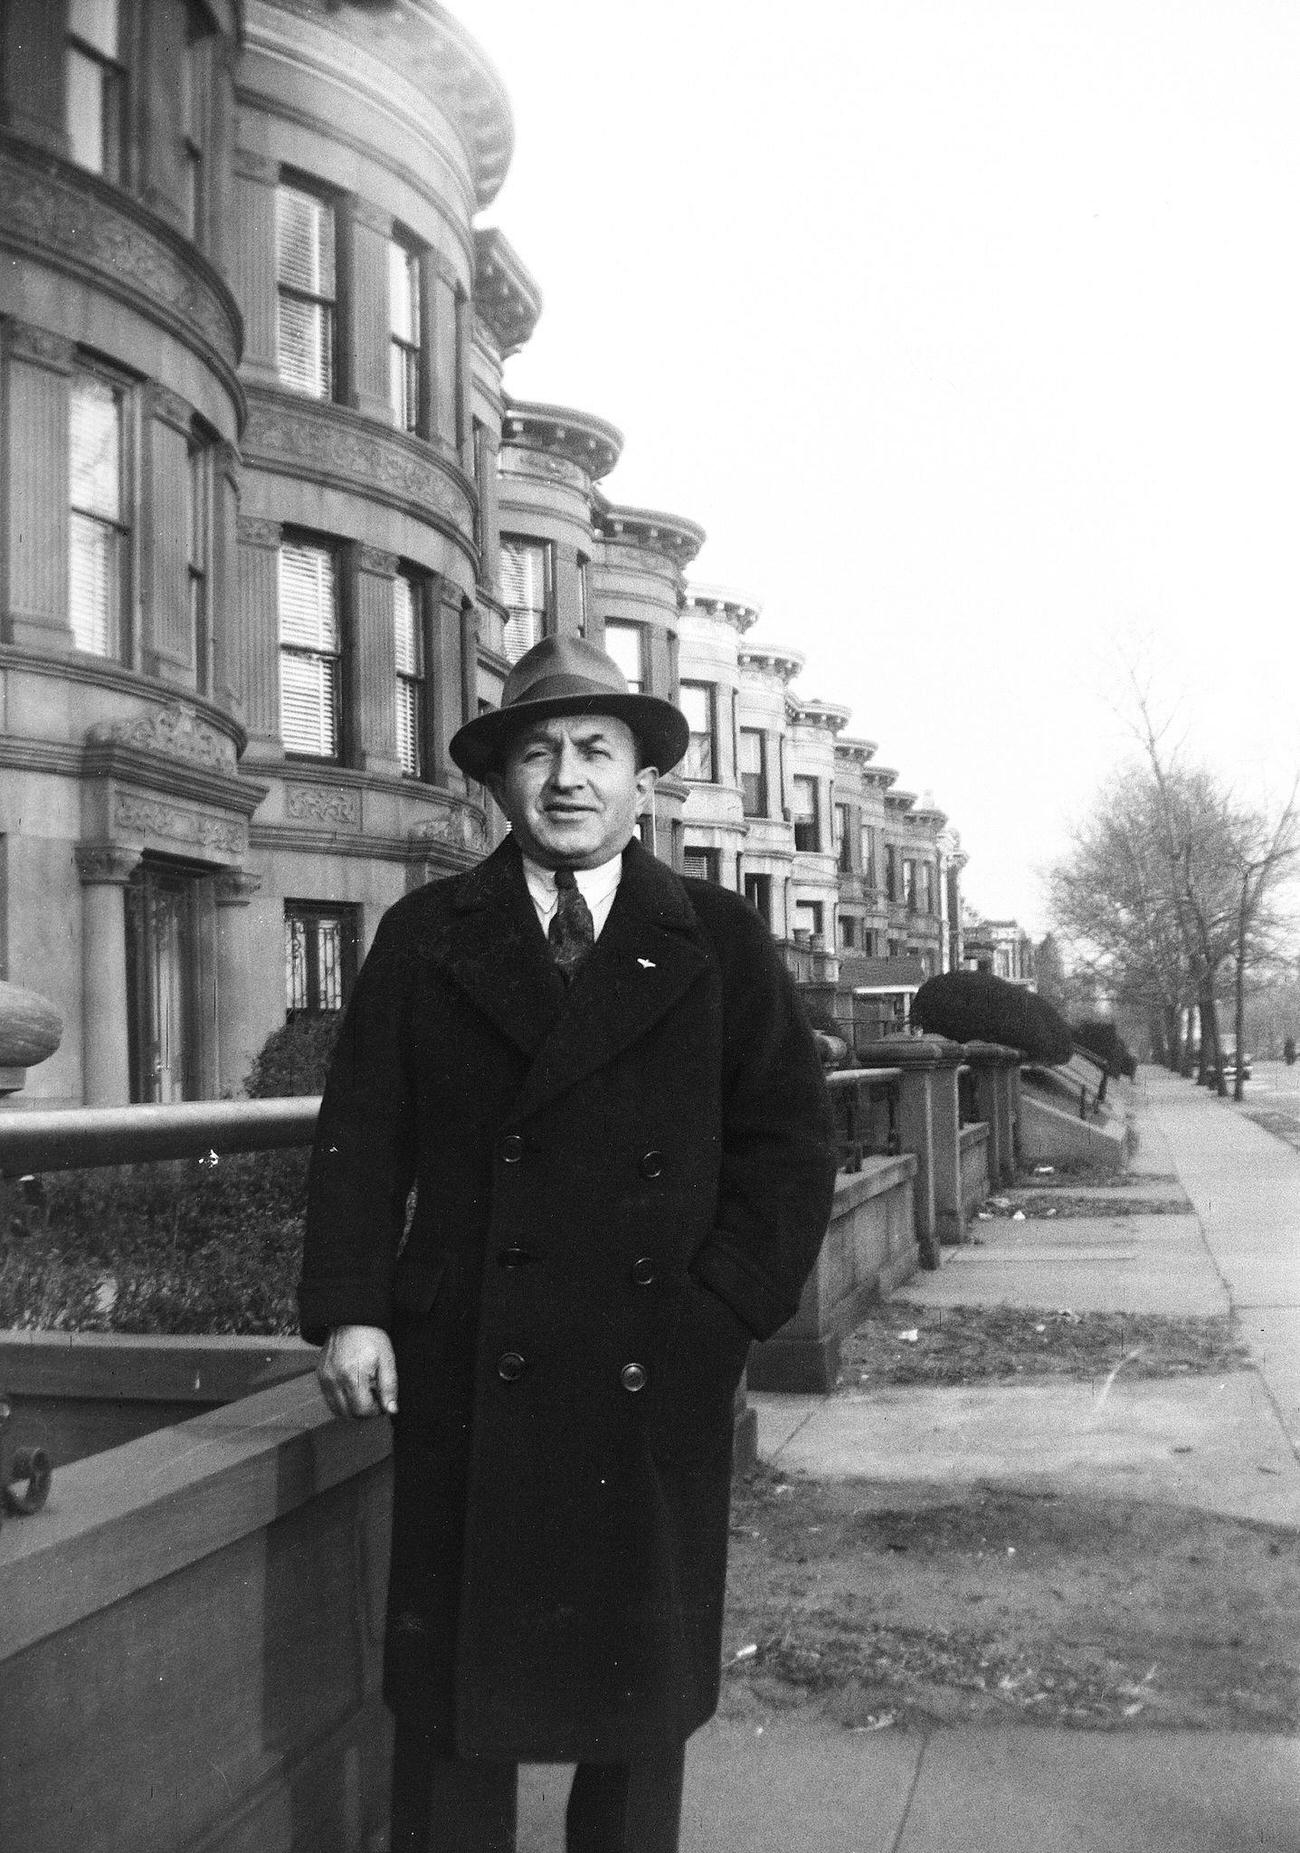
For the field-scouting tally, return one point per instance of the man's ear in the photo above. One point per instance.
(646, 780)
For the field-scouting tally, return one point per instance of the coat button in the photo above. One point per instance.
(512, 1149)
(510, 1366)
(643, 1271)
(632, 1377)
(652, 1164)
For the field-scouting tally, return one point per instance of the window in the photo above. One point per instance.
(891, 872)
(624, 643)
(808, 918)
(807, 822)
(97, 529)
(582, 596)
(698, 705)
(844, 839)
(758, 892)
(320, 952)
(527, 579)
(702, 863)
(926, 873)
(848, 932)
(96, 87)
(309, 650)
(406, 334)
(408, 638)
(753, 771)
(870, 873)
(164, 906)
(198, 555)
(909, 884)
(304, 274)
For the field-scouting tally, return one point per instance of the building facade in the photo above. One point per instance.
(272, 528)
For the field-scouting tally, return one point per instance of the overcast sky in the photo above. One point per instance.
(970, 332)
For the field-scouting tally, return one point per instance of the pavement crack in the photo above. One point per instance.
(911, 1794)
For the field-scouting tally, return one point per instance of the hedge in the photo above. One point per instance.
(978, 1007)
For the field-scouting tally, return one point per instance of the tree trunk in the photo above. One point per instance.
(1239, 988)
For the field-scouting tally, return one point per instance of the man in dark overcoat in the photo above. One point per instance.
(574, 1154)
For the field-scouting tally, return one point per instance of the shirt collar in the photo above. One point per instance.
(595, 885)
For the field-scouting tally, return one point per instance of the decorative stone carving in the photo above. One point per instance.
(105, 862)
(176, 732)
(31, 1027)
(319, 445)
(460, 826)
(323, 804)
(371, 560)
(50, 209)
(517, 461)
(236, 887)
(152, 817)
(254, 533)
(40, 344)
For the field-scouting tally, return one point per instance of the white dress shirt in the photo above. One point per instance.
(597, 887)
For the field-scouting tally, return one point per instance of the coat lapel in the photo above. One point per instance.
(649, 954)
(491, 945)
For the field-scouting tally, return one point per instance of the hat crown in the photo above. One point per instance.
(562, 666)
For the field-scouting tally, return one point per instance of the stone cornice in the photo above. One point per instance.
(506, 298)
(771, 659)
(673, 536)
(827, 714)
(428, 52)
(720, 602)
(320, 442)
(127, 765)
(58, 214)
(850, 748)
(900, 800)
(881, 777)
(591, 443)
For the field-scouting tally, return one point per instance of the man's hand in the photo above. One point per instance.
(358, 1372)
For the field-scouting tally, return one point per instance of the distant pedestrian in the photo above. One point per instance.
(1288, 1051)
(598, 1078)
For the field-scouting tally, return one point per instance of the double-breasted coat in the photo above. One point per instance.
(571, 1212)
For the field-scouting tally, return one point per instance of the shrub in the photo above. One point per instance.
(1100, 1038)
(977, 1007)
(294, 1059)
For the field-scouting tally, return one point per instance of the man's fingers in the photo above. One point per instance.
(358, 1372)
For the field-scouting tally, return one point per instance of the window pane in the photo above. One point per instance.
(751, 750)
(805, 800)
(308, 613)
(304, 242)
(403, 293)
(96, 21)
(408, 727)
(94, 584)
(329, 964)
(623, 643)
(308, 722)
(406, 631)
(86, 108)
(295, 962)
(305, 335)
(523, 574)
(95, 448)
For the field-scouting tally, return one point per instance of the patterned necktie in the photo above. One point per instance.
(572, 932)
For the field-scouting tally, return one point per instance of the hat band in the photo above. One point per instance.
(554, 688)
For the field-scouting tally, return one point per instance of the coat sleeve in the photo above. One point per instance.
(778, 1143)
(364, 1153)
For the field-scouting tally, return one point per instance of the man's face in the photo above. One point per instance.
(571, 789)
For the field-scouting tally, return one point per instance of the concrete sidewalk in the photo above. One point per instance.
(1228, 1444)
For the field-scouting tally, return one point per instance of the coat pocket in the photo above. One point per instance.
(416, 1285)
(706, 1353)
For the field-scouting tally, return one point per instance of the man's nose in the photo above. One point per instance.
(566, 767)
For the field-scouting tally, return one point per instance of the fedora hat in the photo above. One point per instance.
(568, 675)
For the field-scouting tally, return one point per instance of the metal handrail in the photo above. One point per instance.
(853, 1086)
(70, 1138)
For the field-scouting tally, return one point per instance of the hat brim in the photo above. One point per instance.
(662, 731)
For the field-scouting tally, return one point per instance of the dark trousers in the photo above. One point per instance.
(442, 1804)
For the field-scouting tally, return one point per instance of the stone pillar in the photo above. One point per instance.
(364, 309)
(168, 641)
(253, 263)
(237, 1035)
(994, 1067)
(373, 666)
(928, 1128)
(252, 648)
(105, 1030)
(35, 517)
